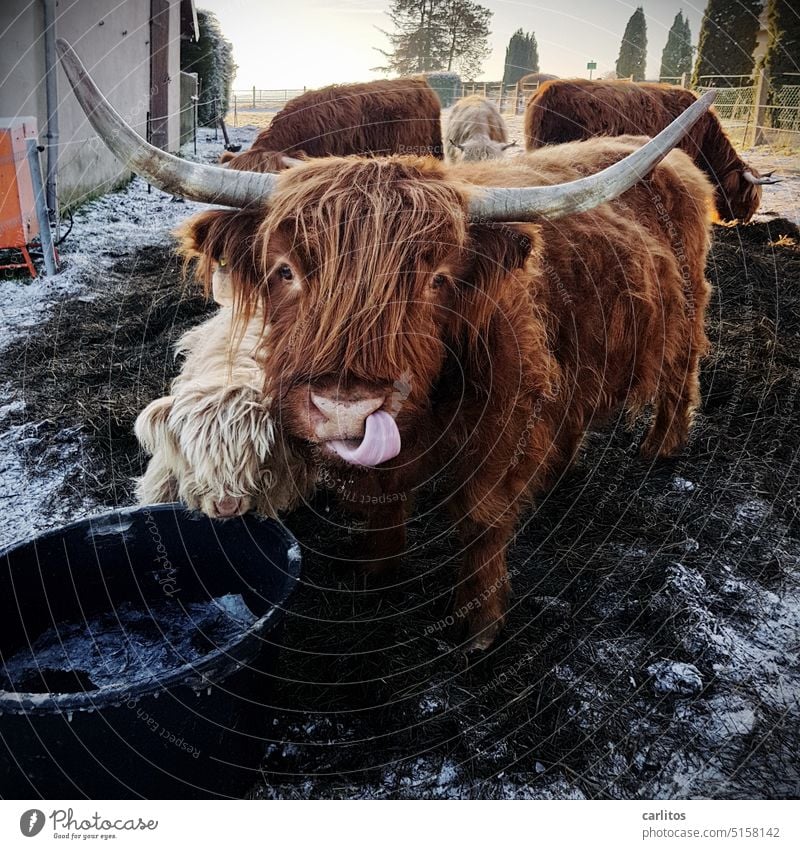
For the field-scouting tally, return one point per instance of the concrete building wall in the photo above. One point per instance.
(174, 76)
(113, 41)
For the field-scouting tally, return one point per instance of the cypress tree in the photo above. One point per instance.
(676, 58)
(522, 57)
(632, 61)
(782, 61)
(727, 40)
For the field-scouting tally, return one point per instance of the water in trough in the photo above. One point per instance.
(131, 643)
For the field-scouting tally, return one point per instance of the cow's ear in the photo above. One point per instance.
(223, 238)
(194, 234)
(495, 253)
(151, 424)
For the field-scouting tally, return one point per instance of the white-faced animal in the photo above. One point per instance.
(212, 440)
(475, 131)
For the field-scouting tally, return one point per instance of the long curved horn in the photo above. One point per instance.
(204, 183)
(764, 180)
(536, 202)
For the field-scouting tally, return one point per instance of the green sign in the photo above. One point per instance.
(591, 66)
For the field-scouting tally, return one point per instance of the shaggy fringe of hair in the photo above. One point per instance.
(361, 270)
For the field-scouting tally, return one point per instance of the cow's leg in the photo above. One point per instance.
(483, 590)
(386, 505)
(385, 542)
(486, 508)
(679, 397)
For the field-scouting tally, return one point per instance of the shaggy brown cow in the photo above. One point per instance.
(510, 340)
(475, 130)
(570, 110)
(536, 78)
(380, 117)
(412, 335)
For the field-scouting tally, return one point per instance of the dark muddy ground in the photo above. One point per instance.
(652, 647)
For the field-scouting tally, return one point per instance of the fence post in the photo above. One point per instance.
(684, 80)
(760, 107)
(516, 98)
(254, 97)
(48, 249)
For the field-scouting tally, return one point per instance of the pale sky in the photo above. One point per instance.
(296, 43)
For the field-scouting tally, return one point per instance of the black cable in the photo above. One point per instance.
(69, 230)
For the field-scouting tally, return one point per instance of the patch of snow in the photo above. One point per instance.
(671, 677)
(27, 487)
(104, 231)
(12, 407)
(447, 774)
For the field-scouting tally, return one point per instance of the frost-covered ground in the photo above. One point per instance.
(104, 230)
(652, 648)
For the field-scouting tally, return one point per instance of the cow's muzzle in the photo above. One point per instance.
(353, 426)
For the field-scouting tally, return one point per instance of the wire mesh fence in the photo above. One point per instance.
(748, 116)
(261, 102)
(735, 107)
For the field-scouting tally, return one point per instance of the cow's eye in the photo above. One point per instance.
(285, 273)
(438, 281)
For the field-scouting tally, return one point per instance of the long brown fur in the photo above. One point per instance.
(571, 110)
(380, 117)
(537, 78)
(507, 340)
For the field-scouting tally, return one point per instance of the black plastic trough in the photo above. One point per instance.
(153, 632)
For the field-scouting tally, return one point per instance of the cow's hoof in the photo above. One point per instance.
(483, 638)
(480, 643)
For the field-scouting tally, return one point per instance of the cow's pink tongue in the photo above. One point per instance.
(381, 442)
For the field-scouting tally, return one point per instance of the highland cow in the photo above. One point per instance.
(572, 110)
(466, 322)
(213, 443)
(376, 118)
(475, 131)
(537, 78)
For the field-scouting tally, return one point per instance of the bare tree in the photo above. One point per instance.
(436, 35)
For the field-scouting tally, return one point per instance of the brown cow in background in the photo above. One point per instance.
(536, 78)
(570, 110)
(380, 117)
